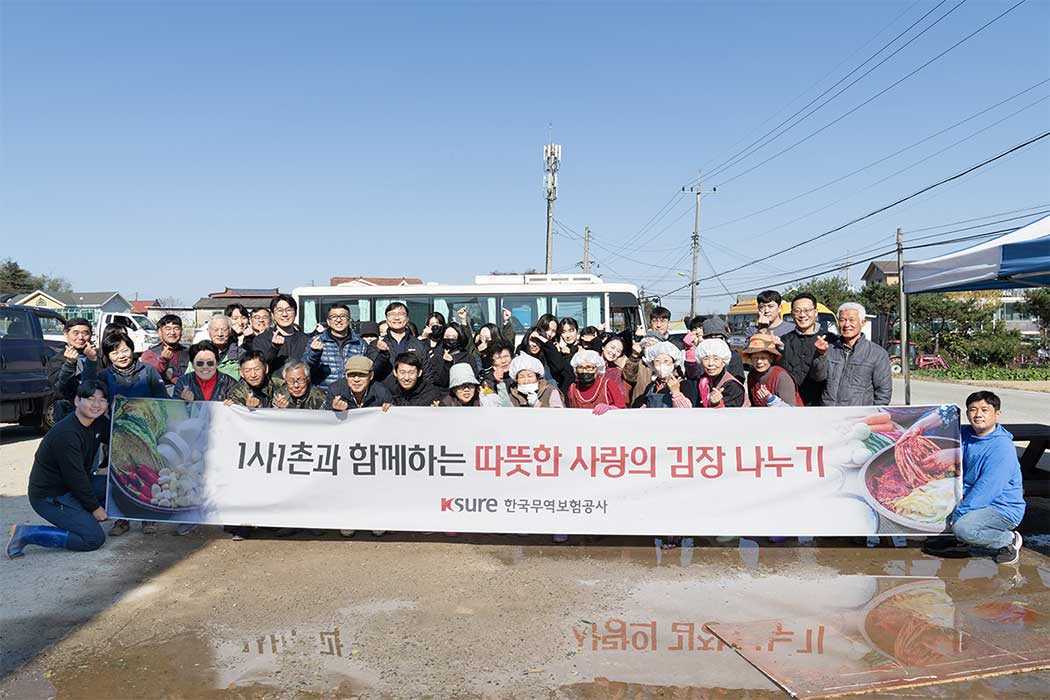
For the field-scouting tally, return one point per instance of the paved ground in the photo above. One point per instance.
(1018, 406)
(491, 616)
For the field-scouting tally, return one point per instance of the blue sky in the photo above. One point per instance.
(172, 149)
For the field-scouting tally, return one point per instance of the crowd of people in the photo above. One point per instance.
(261, 358)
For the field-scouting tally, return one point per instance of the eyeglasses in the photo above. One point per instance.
(397, 314)
(296, 382)
(805, 311)
(204, 363)
(284, 312)
(338, 317)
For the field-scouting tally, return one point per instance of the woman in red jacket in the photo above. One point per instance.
(592, 388)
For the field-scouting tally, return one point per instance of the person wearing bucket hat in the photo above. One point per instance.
(463, 387)
(669, 388)
(357, 388)
(718, 388)
(529, 389)
(768, 384)
(592, 389)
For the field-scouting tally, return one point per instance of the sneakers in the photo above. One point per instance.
(560, 539)
(947, 547)
(1011, 552)
(348, 533)
(119, 528)
(149, 527)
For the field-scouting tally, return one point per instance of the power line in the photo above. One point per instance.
(740, 156)
(876, 95)
(1001, 213)
(768, 119)
(880, 160)
(783, 283)
(886, 207)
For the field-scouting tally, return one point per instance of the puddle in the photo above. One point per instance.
(612, 620)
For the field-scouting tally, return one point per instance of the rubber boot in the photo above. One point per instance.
(41, 535)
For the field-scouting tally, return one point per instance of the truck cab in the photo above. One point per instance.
(141, 330)
(24, 389)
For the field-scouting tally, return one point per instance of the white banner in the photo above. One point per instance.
(812, 471)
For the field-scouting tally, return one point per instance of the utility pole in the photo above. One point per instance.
(586, 250)
(552, 161)
(903, 300)
(695, 245)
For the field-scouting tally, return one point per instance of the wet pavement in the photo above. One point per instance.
(510, 617)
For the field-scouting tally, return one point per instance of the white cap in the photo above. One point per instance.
(524, 361)
(716, 347)
(460, 374)
(664, 348)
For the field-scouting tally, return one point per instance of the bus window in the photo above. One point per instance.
(525, 310)
(315, 311)
(418, 309)
(587, 310)
(480, 310)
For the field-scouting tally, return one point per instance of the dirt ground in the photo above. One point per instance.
(428, 616)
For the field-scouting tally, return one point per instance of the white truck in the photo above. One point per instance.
(141, 330)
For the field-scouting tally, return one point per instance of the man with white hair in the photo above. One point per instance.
(220, 332)
(857, 371)
(297, 392)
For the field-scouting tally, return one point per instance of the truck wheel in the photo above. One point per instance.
(896, 367)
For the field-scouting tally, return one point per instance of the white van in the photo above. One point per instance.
(141, 330)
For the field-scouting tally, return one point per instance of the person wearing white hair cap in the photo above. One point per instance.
(530, 387)
(669, 388)
(592, 389)
(717, 387)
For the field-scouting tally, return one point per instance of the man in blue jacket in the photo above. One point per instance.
(329, 350)
(993, 502)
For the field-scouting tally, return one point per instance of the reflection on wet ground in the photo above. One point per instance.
(743, 620)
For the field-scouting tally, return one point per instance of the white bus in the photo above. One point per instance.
(585, 298)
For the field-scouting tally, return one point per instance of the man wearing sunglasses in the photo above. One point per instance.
(205, 382)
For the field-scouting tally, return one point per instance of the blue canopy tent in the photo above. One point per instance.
(1014, 260)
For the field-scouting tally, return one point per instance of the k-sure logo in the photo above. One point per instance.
(469, 505)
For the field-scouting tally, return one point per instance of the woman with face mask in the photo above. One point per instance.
(718, 388)
(669, 388)
(529, 388)
(593, 389)
(452, 351)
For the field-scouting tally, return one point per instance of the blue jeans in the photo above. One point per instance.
(985, 527)
(67, 513)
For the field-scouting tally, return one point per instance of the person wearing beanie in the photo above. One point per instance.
(463, 386)
(669, 388)
(529, 388)
(592, 389)
(717, 387)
